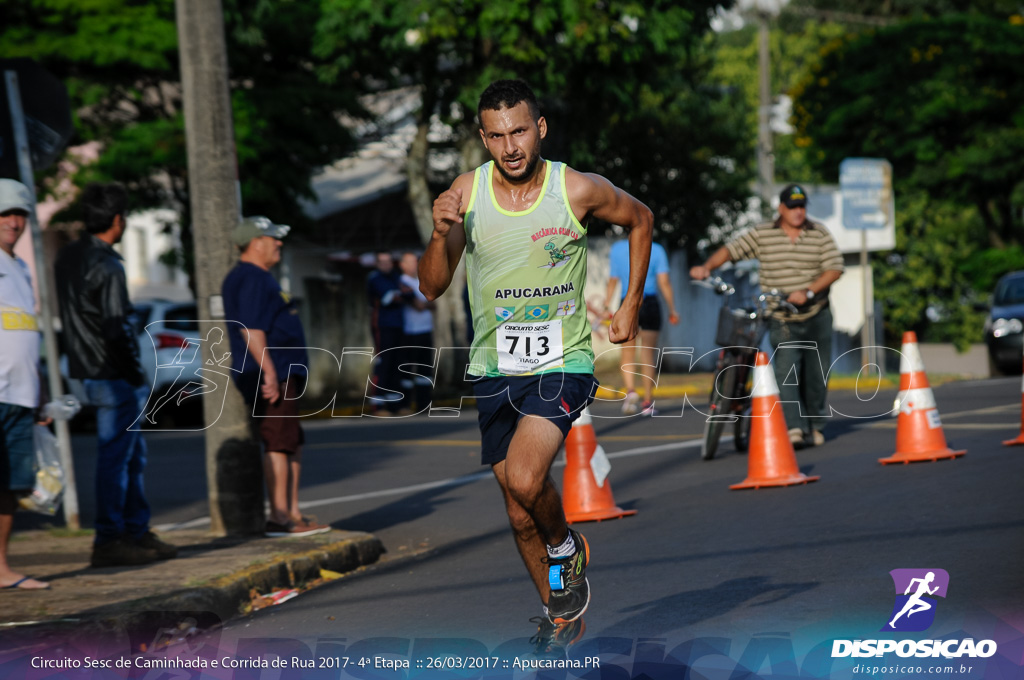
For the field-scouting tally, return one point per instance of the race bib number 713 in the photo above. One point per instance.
(528, 347)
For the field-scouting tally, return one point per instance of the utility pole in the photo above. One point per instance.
(765, 159)
(233, 466)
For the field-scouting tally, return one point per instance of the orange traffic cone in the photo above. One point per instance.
(586, 492)
(771, 460)
(1019, 441)
(919, 434)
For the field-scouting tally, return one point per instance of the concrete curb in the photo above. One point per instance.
(209, 605)
(228, 596)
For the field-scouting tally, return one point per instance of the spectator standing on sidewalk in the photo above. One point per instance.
(20, 393)
(270, 380)
(388, 298)
(650, 321)
(103, 352)
(418, 327)
(800, 258)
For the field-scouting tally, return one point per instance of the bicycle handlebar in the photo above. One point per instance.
(722, 287)
(715, 283)
(774, 295)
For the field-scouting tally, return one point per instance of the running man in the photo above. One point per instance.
(523, 221)
(915, 604)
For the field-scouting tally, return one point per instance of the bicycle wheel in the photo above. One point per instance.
(741, 431)
(718, 413)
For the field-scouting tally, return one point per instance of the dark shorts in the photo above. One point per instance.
(17, 450)
(501, 402)
(278, 423)
(650, 314)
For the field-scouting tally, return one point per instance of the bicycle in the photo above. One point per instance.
(740, 332)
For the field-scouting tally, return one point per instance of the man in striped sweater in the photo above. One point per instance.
(799, 258)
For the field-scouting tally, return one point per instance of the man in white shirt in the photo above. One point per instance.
(19, 373)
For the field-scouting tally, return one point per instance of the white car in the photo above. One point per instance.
(169, 354)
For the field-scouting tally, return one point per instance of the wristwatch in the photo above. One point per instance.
(810, 294)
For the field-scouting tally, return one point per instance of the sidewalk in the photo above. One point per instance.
(211, 580)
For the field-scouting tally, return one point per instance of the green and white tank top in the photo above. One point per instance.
(526, 271)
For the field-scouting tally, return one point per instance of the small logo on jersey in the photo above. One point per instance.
(915, 611)
(566, 307)
(560, 231)
(504, 313)
(537, 312)
(559, 256)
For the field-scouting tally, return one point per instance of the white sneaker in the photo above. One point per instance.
(817, 438)
(796, 435)
(631, 404)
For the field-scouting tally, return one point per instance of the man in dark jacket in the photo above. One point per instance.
(103, 352)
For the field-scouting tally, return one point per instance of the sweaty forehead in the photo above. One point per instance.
(505, 118)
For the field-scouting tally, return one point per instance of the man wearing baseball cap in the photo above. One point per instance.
(20, 393)
(270, 380)
(800, 258)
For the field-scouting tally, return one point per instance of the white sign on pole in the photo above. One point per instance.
(868, 204)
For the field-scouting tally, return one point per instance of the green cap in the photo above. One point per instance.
(254, 227)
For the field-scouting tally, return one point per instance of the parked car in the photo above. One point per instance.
(1004, 326)
(169, 352)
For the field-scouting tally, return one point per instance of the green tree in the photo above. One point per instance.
(923, 284)
(793, 49)
(623, 84)
(119, 61)
(943, 100)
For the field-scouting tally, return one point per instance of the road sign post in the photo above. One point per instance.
(23, 157)
(868, 203)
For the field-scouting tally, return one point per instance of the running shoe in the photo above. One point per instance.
(567, 577)
(551, 637)
(631, 404)
(647, 408)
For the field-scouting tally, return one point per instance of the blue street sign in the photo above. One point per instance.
(866, 186)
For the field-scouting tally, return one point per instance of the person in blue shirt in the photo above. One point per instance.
(388, 297)
(650, 321)
(269, 360)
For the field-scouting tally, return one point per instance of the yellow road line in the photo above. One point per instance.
(476, 442)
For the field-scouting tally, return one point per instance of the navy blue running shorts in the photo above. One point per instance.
(502, 401)
(650, 314)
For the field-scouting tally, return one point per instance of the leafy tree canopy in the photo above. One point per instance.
(119, 60)
(942, 99)
(623, 85)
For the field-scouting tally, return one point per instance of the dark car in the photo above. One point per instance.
(1004, 327)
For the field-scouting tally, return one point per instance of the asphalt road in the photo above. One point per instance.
(800, 565)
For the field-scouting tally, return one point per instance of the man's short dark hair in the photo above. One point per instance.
(101, 203)
(505, 94)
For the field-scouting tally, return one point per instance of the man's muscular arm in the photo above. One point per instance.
(592, 195)
(440, 259)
